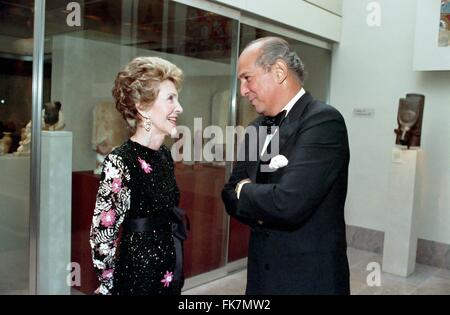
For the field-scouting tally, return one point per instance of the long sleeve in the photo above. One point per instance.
(239, 173)
(229, 196)
(112, 203)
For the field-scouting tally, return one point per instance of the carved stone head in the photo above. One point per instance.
(51, 112)
(409, 119)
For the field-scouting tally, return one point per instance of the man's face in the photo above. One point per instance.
(257, 84)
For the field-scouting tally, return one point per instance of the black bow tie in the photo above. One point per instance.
(273, 121)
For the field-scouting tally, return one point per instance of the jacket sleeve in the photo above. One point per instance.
(112, 203)
(229, 196)
(318, 156)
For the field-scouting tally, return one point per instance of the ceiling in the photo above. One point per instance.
(160, 25)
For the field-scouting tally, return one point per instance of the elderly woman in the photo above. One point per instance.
(138, 190)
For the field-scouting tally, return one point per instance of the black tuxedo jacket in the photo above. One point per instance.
(297, 243)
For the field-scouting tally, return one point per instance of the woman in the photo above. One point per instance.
(138, 190)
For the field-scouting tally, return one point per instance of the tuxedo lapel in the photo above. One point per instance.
(292, 120)
(286, 130)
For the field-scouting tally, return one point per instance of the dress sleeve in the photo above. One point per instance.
(112, 203)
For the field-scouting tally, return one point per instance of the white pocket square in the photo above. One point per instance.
(278, 161)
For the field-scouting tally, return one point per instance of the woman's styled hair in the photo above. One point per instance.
(138, 82)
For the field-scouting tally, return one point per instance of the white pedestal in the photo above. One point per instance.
(400, 240)
(14, 202)
(54, 251)
(14, 226)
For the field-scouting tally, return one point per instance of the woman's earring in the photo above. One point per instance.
(147, 124)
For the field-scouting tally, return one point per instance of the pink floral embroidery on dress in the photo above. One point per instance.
(108, 218)
(168, 278)
(145, 166)
(116, 185)
(107, 274)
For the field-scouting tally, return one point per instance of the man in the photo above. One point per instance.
(297, 243)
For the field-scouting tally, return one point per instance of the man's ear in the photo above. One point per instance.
(281, 71)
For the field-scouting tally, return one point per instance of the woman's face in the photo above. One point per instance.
(165, 109)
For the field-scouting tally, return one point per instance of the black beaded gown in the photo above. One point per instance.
(136, 182)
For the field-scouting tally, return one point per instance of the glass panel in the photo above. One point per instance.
(87, 51)
(16, 59)
(317, 64)
(444, 24)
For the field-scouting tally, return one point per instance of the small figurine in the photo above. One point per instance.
(24, 144)
(108, 131)
(52, 116)
(5, 143)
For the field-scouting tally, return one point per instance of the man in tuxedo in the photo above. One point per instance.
(296, 210)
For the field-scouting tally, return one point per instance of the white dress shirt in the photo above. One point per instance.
(288, 108)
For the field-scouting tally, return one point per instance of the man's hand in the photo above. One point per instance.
(240, 184)
(238, 191)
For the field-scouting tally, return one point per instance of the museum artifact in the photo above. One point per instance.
(108, 131)
(52, 116)
(5, 143)
(409, 119)
(25, 142)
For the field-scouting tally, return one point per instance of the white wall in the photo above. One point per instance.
(298, 14)
(372, 68)
(334, 6)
